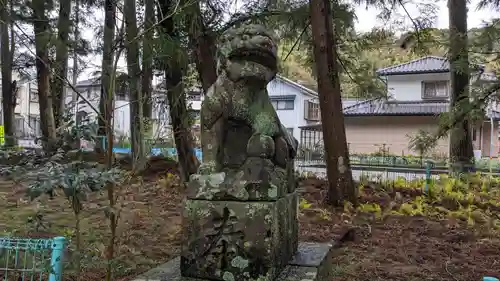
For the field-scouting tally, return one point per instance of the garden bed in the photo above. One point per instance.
(400, 234)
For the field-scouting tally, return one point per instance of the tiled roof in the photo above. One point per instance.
(380, 107)
(349, 103)
(401, 108)
(383, 107)
(429, 64)
(96, 81)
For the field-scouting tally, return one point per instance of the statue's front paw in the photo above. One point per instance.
(261, 146)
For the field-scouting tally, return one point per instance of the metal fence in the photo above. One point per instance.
(376, 167)
(31, 259)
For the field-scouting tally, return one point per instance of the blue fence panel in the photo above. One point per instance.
(157, 151)
(31, 259)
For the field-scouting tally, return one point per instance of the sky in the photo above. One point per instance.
(367, 19)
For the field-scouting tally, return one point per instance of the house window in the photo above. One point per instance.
(435, 89)
(474, 134)
(34, 126)
(19, 123)
(311, 111)
(33, 95)
(283, 104)
(195, 96)
(120, 96)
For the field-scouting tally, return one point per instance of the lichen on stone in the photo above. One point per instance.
(239, 262)
(272, 192)
(196, 208)
(228, 276)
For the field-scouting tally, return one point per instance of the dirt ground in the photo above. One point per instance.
(392, 248)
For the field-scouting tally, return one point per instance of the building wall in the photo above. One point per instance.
(369, 134)
(121, 108)
(408, 87)
(292, 119)
(483, 141)
(27, 112)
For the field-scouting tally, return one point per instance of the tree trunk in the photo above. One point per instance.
(147, 59)
(61, 69)
(8, 88)
(107, 95)
(340, 184)
(41, 27)
(74, 78)
(135, 94)
(461, 152)
(203, 45)
(188, 163)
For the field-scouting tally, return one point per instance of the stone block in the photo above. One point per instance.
(231, 240)
(312, 262)
(258, 180)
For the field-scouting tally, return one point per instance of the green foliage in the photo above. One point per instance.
(45, 173)
(303, 204)
(422, 142)
(472, 199)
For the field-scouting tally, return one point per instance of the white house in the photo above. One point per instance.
(27, 111)
(418, 92)
(295, 104)
(90, 89)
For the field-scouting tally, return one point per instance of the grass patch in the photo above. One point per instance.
(148, 229)
(401, 233)
(404, 234)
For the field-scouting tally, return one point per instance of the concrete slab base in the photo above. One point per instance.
(312, 262)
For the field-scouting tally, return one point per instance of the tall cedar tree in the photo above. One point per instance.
(61, 67)
(41, 26)
(147, 64)
(461, 152)
(8, 87)
(174, 70)
(106, 99)
(203, 45)
(134, 87)
(340, 183)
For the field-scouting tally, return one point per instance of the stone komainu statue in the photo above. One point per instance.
(240, 216)
(240, 128)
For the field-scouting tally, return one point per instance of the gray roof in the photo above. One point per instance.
(402, 108)
(295, 84)
(349, 103)
(381, 107)
(429, 64)
(95, 81)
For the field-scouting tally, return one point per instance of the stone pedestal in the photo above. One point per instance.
(238, 228)
(312, 262)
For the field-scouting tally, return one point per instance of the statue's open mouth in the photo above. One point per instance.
(258, 55)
